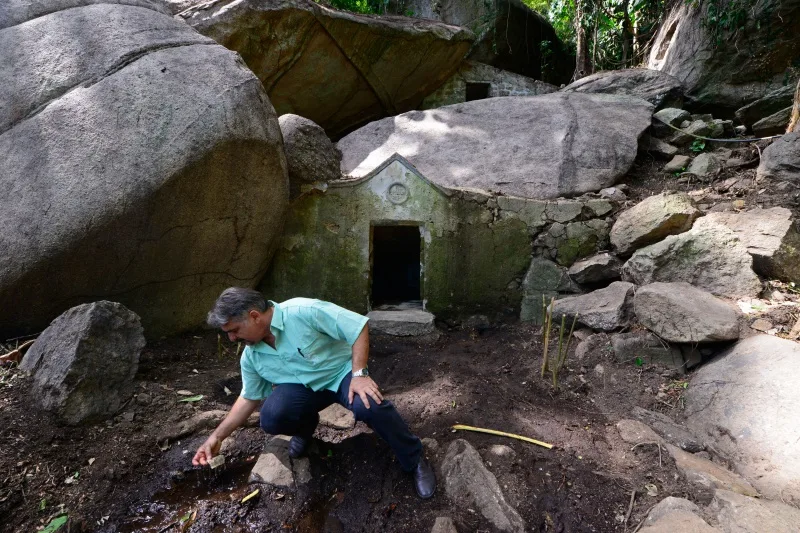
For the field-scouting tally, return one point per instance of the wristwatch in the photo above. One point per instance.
(363, 373)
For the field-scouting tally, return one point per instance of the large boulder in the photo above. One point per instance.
(724, 55)
(310, 154)
(141, 162)
(770, 236)
(604, 309)
(774, 124)
(658, 88)
(560, 144)
(781, 159)
(510, 35)
(84, 363)
(651, 220)
(709, 256)
(741, 403)
(679, 312)
(467, 480)
(742, 514)
(770, 103)
(339, 69)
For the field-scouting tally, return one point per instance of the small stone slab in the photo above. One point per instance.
(596, 342)
(705, 165)
(696, 127)
(657, 147)
(708, 475)
(444, 524)
(677, 164)
(337, 417)
(651, 220)
(741, 514)
(635, 432)
(676, 515)
(596, 269)
(468, 482)
(407, 323)
(669, 430)
(680, 312)
(604, 309)
(672, 116)
(275, 467)
(647, 347)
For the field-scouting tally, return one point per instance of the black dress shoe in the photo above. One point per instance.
(298, 446)
(424, 479)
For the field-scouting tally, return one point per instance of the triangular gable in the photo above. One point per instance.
(377, 170)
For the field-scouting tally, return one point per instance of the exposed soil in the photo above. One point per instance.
(126, 482)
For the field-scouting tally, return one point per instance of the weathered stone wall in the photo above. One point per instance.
(476, 246)
(501, 82)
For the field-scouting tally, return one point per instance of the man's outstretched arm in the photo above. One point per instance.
(235, 418)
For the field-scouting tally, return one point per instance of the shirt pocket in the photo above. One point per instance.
(308, 349)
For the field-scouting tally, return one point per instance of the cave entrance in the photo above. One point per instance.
(477, 91)
(396, 269)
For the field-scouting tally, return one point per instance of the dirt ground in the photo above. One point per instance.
(119, 476)
(116, 477)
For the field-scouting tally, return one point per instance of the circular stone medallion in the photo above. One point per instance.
(397, 193)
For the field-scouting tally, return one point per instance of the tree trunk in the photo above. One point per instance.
(627, 35)
(795, 120)
(582, 63)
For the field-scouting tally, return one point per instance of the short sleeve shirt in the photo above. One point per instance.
(313, 347)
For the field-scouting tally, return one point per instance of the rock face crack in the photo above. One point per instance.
(385, 105)
(568, 168)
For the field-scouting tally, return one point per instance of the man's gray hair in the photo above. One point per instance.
(234, 303)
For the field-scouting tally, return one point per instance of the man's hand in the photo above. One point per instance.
(364, 387)
(207, 451)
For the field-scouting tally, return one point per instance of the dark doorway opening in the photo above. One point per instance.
(477, 91)
(395, 264)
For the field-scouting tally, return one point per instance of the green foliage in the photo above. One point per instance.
(723, 17)
(698, 145)
(618, 32)
(374, 7)
(555, 364)
(55, 524)
(540, 6)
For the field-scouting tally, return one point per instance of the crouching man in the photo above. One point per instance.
(302, 355)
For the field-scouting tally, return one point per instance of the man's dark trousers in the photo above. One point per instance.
(292, 409)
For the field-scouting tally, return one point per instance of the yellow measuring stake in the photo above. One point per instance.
(504, 434)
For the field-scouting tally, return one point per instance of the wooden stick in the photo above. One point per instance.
(503, 434)
(15, 355)
(630, 509)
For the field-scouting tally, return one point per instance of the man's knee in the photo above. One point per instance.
(277, 414)
(375, 410)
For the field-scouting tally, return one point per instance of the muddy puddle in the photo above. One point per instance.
(170, 509)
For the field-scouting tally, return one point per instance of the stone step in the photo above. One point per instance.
(406, 323)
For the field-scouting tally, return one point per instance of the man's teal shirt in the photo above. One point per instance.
(313, 347)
